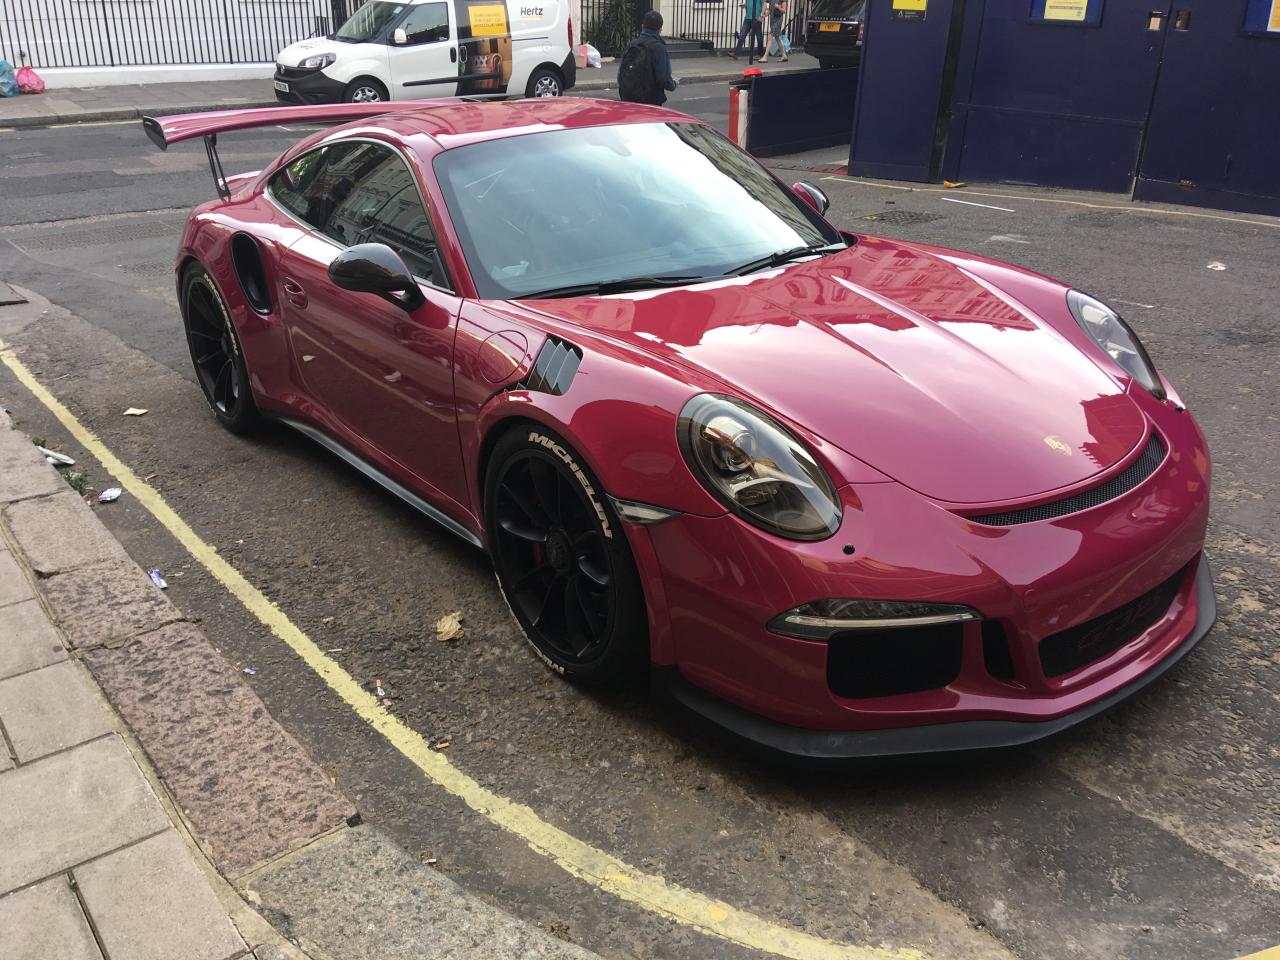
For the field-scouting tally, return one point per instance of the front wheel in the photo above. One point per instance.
(544, 83)
(562, 559)
(364, 90)
(215, 352)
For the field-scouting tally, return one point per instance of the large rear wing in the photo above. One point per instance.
(164, 131)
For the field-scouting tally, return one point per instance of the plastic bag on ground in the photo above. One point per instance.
(8, 85)
(29, 81)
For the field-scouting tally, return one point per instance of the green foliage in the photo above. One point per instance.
(610, 26)
(76, 481)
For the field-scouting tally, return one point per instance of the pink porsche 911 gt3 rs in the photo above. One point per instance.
(846, 496)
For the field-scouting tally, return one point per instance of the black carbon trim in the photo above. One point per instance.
(1147, 463)
(555, 368)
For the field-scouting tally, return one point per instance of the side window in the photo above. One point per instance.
(427, 23)
(372, 198)
(293, 185)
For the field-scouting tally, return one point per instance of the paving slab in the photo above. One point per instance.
(107, 603)
(45, 922)
(321, 895)
(151, 902)
(60, 533)
(70, 807)
(6, 762)
(14, 586)
(248, 788)
(23, 472)
(50, 709)
(27, 640)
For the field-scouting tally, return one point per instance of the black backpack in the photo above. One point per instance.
(635, 73)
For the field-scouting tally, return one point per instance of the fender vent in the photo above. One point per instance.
(555, 368)
(1146, 464)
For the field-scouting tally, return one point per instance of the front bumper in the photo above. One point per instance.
(309, 88)
(817, 746)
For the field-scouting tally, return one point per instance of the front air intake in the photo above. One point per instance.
(555, 367)
(1147, 463)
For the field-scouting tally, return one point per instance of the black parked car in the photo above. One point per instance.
(834, 32)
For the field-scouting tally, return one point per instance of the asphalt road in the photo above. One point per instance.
(1153, 832)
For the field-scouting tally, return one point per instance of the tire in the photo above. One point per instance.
(216, 354)
(544, 82)
(364, 90)
(562, 559)
(825, 64)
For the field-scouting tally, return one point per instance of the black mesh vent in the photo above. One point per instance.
(896, 660)
(555, 367)
(1094, 639)
(995, 651)
(1146, 464)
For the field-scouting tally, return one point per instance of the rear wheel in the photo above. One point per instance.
(215, 352)
(562, 559)
(364, 90)
(544, 82)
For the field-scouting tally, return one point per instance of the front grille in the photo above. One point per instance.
(292, 73)
(1088, 642)
(1150, 459)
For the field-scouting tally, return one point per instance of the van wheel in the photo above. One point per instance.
(545, 82)
(364, 90)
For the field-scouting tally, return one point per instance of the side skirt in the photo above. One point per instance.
(384, 481)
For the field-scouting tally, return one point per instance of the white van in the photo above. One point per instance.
(417, 49)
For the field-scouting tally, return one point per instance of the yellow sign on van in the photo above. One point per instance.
(488, 20)
(1066, 9)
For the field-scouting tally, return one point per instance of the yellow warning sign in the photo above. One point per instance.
(914, 4)
(488, 20)
(1066, 9)
(1273, 23)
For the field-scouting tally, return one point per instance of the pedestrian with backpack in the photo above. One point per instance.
(644, 75)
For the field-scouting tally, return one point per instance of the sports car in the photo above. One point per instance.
(842, 495)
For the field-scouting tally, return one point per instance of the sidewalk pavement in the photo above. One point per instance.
(147, 796)
(130, 101)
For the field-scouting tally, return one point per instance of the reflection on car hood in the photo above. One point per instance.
(900, 358)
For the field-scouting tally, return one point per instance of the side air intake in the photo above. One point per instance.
(555, 368)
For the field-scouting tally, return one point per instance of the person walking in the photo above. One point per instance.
(644, 73)
(776, 31)
(752, 13)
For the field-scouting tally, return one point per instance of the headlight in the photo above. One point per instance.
(755, 467)
(821, 618)
(1113, 335)
(318, 62)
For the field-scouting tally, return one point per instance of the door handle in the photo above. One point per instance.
(294, 293)
(453, 54)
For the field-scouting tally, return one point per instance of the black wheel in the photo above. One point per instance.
(364, 90)
(215, 352)
(544, 82)
(562, 559)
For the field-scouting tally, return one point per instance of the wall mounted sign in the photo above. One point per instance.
(1263, 16)
(1066, 10)
(909, 9)
(1075, 13)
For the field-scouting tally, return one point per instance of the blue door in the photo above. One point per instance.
(1051, 99)
(1214, 135)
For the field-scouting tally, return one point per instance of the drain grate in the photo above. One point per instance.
(900, 217)
(105, 234)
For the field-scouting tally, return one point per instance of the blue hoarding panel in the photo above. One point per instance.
(1259, 18)
(789, 112)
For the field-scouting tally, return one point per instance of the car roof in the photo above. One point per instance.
(456, 123)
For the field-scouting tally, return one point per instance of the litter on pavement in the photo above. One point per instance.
(157, 579)
(449, 627)
(1217, 265)
(55, 458)
(250, 671)
(110, 495)
(136, 412)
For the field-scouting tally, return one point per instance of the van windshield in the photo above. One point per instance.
(369, 21)
(838, 10)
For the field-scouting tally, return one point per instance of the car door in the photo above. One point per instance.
(424, 52)
(383, 373)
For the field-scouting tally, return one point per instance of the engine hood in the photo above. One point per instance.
(900, 358)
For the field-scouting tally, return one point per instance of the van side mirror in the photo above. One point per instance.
(812, 196)
(399, 37)
(376, 268)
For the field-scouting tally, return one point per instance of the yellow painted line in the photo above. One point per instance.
(1271, 953)
(595, 866)
(1123, 208)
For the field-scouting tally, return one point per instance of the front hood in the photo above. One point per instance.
(901, 359)
(295, 53)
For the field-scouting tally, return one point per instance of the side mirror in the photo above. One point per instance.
(812, 196)
(399, 37)
(376, 268)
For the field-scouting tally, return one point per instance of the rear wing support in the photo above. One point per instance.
(215, 166)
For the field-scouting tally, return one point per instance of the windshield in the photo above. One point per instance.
(369, 21)
(600, 204)
(838, 10)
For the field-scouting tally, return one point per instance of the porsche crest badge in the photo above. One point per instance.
(1055, 444)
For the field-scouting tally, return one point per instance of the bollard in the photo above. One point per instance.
(739, 106)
